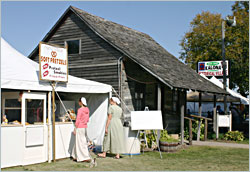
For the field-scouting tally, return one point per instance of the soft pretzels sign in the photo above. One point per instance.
(53, 62)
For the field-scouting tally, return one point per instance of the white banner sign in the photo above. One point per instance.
(212, 68)
(53, 62)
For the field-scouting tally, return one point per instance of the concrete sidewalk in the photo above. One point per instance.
(214, 143)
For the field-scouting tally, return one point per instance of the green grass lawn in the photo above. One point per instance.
(246, 141)
(194, 158)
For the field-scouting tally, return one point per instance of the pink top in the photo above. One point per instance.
(82, 117)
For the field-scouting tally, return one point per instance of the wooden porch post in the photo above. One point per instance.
(205, 135)
(190, 132)
(158, 108)
(182, 124)
(183, 111)
(200, 110)
(214, 115)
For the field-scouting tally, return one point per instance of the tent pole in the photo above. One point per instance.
(53, 122)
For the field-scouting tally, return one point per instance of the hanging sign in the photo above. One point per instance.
(53, 62)
(212, 68)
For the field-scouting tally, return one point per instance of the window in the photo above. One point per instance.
(73, 46)
(11, 107)
(168, 100)
(13, 110)
(139, 96)
(34, 111)
(175, 102)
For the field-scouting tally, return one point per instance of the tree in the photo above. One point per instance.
(203, 43)
(238, 47)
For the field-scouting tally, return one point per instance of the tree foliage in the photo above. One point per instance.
(204, 43)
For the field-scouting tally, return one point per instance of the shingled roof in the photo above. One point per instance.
(146, 52)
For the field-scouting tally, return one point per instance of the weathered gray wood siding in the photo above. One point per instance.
(172, 101)
(137, 80)
(97, 61)
(132, 75)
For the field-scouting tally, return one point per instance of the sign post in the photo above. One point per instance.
(53, 122)
(53, 66)
(217, 69)
(223, 121)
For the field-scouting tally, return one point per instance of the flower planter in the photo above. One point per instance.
(169, 146)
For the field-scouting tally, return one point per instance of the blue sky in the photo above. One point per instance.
(24, 24)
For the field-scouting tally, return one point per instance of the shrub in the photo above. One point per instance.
(195, 126)
(213, 136)
(151, 138)
(234, 135)
(168, 140)
(164, 134)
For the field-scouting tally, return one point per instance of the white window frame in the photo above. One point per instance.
(34, 95)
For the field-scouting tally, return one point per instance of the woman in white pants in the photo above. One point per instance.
(80, 151)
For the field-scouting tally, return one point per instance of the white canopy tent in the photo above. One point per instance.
(20, 73)
(243, 100)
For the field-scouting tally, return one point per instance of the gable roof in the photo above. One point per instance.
(146, 52)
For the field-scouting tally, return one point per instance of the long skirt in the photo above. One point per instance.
(114, 141)
(80, 150)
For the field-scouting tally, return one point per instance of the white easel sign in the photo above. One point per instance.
(146, 120)
(53, 62)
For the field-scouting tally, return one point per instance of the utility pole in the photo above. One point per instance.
(224, 65)
(229, 22)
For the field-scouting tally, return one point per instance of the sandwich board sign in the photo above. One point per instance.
(53, 62)
(146, 120)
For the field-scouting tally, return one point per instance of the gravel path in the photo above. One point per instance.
(213, 143)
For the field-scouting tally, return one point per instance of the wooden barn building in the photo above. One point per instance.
(140, 70)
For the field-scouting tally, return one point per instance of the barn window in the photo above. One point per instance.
(73, 46)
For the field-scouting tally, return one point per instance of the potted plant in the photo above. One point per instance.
(167, 143)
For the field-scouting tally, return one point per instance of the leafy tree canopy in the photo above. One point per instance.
(204, 43)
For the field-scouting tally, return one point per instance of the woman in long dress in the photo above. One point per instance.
(80, 151)
(114, 137)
